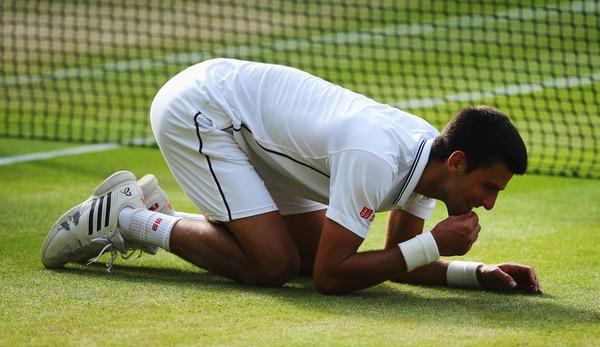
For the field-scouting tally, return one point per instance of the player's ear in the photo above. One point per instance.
(457, 161)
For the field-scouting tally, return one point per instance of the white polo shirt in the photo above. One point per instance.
(327, 143)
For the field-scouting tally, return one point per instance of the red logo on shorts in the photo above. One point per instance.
(156, 223)
(366, 212)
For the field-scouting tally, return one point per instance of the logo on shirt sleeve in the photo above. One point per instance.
(366, 212)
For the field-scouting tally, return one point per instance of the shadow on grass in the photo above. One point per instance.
(387, 301)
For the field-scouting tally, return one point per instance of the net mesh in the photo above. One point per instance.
(87, 71)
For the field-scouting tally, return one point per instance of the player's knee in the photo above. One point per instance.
(275, 272)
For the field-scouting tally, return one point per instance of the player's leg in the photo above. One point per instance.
(303, 217)
(306, 232)
(250, 242)
(305, 227)
(256, 250)
(244, 237)
(214, 246)
(206, 243)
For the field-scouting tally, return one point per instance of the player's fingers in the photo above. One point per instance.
(474, 238)
(506, 279)
(474, 218)
(531, 275)
(475, 233)
(462, 217)
(533, 281)
(527, 278)
(473, 223)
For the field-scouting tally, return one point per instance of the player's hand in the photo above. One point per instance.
(509, 276)
(456, 234)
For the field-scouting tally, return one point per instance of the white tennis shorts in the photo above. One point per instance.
(196, 139)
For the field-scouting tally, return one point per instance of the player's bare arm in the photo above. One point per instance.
(339, 268)
(403, 226)
(507, 276)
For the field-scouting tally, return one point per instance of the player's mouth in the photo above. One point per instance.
(468, 209)
(459, 212)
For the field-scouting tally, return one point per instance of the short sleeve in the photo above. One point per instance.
(360, 181)
(419, 206)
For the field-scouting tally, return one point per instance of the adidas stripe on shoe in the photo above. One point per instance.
(92, 226)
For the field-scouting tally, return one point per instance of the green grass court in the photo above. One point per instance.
(551, 223)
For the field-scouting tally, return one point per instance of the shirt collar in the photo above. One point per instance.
(415, 172)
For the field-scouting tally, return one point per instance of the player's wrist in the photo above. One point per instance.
(478, 273)
(419, 251)
(464, 274)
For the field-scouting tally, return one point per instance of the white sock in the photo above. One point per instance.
(146, 226)
(189, 216)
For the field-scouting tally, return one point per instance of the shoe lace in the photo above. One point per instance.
(109, 246)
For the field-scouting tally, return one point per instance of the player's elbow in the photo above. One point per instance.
(327, 284)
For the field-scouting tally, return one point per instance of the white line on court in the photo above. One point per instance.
(58, 153)
(509, 90)
(99, 147)
(405, 30)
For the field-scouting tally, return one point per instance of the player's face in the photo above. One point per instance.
(477, 188)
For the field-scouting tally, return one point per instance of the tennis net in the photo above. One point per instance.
(86, 71)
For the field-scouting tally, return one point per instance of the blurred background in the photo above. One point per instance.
(87, 71)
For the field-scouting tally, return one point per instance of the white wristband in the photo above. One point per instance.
(463, 274)
(420, 250)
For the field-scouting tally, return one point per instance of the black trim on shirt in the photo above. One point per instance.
(411, 171)
(281, 154)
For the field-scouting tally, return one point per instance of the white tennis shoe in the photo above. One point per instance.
(90, 228)
(156, 198)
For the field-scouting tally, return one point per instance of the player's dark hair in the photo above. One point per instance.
(485, 135)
